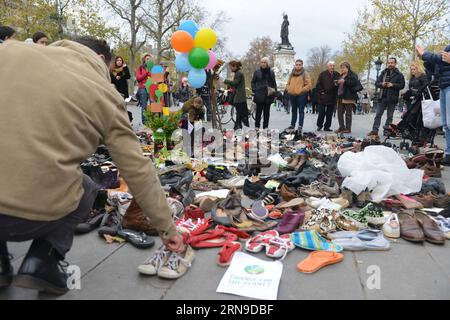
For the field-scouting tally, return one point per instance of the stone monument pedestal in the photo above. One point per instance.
(284, 61)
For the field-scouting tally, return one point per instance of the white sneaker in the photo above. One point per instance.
(391, 228)
(176, 266)
(154, 263)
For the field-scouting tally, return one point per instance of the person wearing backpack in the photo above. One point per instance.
(298, 87)
(348, 88)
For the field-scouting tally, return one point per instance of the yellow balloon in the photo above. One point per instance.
(163, 87)
(205, 38)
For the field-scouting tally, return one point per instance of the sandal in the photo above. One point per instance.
(137, 239)
(225, 255)
(319, 259)
(279, 247)
(262, 240)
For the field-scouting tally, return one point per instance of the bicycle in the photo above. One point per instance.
(227, 112)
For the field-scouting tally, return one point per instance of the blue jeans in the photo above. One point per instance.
(142, 97)
(298, 104)
(445, 114)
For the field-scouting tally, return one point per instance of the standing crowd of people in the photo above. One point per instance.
(68, 120)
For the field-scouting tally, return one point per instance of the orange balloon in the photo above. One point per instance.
(182, 41)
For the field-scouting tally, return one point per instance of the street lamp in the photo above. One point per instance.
(378, 65)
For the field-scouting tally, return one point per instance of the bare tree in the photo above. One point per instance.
(259, 48)
(131, 12)
(419, 19)
(162, 18)
(317, 60)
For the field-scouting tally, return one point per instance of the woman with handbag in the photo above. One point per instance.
(264, 87)
(418, 81)
(298, 87)
(349, 86)
(239, 97)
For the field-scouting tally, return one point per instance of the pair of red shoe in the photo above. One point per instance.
(220, 237)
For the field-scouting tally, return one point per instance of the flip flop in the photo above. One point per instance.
(225, 255)
(319, 259)
(139, 240)
(312, 240)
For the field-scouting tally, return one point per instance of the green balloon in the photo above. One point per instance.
(150, 65)
(159, 93)
(199, 58)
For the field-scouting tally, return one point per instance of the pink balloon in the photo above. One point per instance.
(212, 60)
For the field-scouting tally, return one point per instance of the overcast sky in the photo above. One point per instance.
(312, 22)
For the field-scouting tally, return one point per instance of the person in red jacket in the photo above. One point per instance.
(142, 75)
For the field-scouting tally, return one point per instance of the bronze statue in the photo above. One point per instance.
(285, 33)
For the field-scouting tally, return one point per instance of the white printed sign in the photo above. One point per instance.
(251, 277)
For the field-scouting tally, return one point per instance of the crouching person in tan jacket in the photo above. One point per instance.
(67, 107)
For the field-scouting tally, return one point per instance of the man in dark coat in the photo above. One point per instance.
(390, 81)
(326, 91)
(264, 87)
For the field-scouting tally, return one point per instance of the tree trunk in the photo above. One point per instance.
(133, 46)
(160, 30)
(413, 56)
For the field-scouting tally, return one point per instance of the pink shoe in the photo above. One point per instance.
(262, 240)
(280, 246)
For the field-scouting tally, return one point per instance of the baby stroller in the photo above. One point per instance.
(411, 126)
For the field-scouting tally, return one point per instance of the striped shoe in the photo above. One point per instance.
(312, 240)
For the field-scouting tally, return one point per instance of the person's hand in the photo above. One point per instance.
(118, 78)
(340, 81)
(175, 244)
(420, 51)
(389, 85)
(445, 56)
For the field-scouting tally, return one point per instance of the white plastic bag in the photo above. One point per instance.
(379, 170)
(431, 112)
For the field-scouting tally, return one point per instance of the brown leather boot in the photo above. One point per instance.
(287, 194)
(135, 219)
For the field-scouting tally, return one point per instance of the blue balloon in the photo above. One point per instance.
(197, 78)
(182, 63)
(157, 70)
(189, 26)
